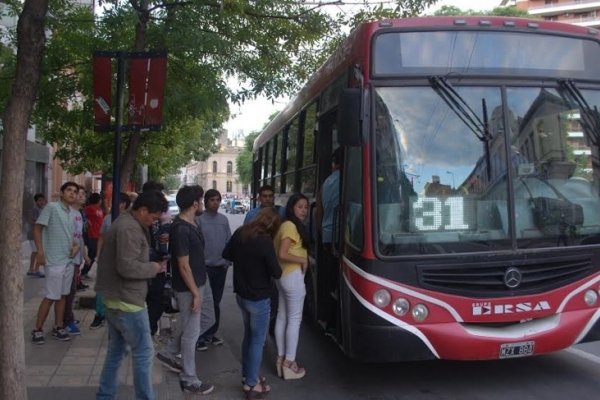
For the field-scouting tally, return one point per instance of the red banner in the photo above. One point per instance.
(102, 73)
(146, 91)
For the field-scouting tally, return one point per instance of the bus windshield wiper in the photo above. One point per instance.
(461, 108)
(466, 114)
(590, 118)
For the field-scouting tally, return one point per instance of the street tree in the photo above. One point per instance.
(270, 48)
(15, 122)
(243, 161)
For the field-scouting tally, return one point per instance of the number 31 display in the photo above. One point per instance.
(440, 214)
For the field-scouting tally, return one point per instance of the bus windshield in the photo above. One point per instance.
(452, 178)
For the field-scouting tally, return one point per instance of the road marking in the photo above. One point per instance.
(584, 354)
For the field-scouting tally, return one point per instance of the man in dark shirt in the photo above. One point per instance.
(189, 281)
(156, 285)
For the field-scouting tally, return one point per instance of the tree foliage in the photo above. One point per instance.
(270, 47)
(243, 161)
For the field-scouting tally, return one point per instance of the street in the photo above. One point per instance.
(331, 375)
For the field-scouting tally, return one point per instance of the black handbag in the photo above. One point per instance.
(168, 299)
(555, 214)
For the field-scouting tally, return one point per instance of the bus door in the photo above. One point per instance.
(327, 142)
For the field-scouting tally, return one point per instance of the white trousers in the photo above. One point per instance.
(289, 313)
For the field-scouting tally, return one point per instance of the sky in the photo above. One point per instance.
(253, 114)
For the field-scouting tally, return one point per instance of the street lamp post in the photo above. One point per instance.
(452, 173)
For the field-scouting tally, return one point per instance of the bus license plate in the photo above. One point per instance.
(512, 350)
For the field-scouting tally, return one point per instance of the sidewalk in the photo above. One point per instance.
(71, 370)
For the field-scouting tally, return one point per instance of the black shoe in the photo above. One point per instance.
(216, 341)
(169, 363)
(201, 345)
(82, 286)
(97, 323)
(37, 336)
(196, 388)
(60, 334)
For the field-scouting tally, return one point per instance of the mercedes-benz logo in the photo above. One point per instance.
(512, 277)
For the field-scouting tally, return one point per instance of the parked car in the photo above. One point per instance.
(173, 208)
(246, 204)
(235, 207)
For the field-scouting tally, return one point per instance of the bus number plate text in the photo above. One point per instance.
(513, 350)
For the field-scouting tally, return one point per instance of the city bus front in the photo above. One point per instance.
(485, 181)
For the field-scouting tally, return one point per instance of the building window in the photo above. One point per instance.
(229, 167)
(229, 187)
(215, 169)
(214, 185)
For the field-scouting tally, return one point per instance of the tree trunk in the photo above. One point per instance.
(128, 160)
(139, 44)
(31, 41)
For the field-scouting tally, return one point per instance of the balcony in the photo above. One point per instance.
(589, 22)
(548, 10)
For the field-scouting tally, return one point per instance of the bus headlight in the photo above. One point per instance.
(382, 298)
(590, 297)
(420, 312)
(401, 307)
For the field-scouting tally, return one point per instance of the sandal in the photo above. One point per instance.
(291, 370)
(261, 379)
(256, 392)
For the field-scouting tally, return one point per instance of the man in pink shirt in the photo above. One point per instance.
(94, 215)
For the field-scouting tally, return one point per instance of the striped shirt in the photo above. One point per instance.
(57, 234)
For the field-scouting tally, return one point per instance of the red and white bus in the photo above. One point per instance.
(469, 222)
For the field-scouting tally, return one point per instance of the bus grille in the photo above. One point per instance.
(487, 279)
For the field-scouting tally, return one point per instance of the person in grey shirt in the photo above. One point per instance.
(217, 233)
(34, 267)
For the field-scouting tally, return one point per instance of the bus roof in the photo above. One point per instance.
(354, 51)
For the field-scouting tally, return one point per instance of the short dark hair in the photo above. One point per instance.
(338, 156)
(67, 184)
(187, 195)
(265, 188)
(153, 185)
(94, 198)
(124, 198)
(210, 193)
(38, 196)
(153, 200)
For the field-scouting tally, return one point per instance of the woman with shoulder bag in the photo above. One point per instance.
(254, 266)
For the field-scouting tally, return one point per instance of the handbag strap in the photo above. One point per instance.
(554, 189)
(551, 186)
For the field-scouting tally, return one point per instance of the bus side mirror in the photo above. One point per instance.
(349, 117)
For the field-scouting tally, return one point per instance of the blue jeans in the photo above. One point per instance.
(255, 315)
(133, 329)
(216, 278)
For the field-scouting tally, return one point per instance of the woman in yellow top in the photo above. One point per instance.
(291, 245)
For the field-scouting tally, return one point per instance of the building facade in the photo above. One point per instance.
(219, 171)
(576, 12)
